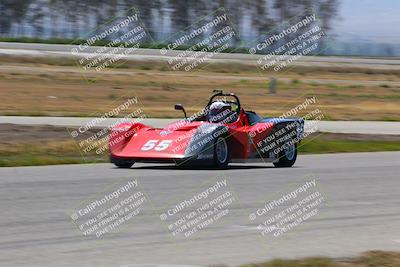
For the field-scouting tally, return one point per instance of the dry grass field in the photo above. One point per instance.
(57, 87)
(367, 259)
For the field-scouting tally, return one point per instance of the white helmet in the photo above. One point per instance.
(219, 111)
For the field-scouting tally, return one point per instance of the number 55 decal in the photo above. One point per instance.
(163, 145)
(160, 146)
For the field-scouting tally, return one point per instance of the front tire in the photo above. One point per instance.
(287, 157)
(122, 163)
(221, 153)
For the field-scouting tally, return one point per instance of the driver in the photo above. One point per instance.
(221, 112)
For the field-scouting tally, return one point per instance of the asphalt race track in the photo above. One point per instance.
(361, 212)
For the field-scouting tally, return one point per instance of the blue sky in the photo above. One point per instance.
(377, 20)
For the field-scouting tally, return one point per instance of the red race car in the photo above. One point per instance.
(221, 133)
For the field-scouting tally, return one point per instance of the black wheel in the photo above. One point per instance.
(221, 153)
(122, 163)
(288, 156)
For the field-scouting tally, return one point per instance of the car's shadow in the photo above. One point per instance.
(205, 168)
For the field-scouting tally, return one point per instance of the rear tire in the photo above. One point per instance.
(221, 153)
(122, 163)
